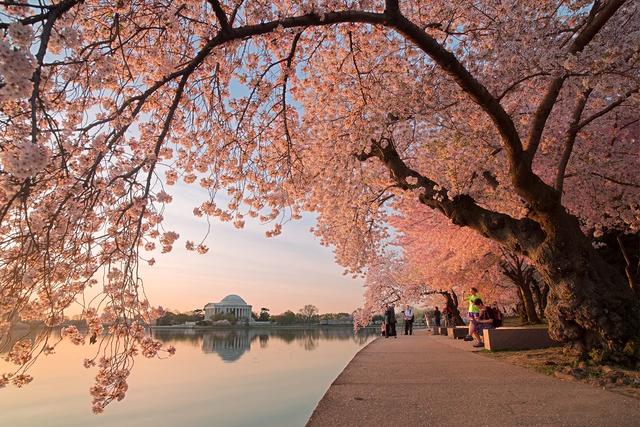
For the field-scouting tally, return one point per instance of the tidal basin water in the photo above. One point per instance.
(217, 378)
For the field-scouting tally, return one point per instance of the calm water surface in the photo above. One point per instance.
(217, 378)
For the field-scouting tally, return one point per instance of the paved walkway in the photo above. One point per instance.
(425, 380)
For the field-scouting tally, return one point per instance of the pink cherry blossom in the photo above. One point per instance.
(434, 131)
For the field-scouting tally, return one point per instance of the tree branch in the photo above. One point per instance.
(628, 269)
(222, 17)
(355, 65)
(616, 181)
(520, 235)
(570, 138)
(608, 108)
(517, 82)
(292, 53)
(392, 7)
(540, 196)
(598, 17)
(57, 10)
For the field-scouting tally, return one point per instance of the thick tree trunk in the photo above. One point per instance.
(529, 304)
(590, 304)
(452, 304)
(522, 313)
(540, 296)
(520, 274)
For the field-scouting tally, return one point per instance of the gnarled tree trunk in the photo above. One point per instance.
(590, 303)
(514, 267)
(452, 304)
(529, 304)
(540, 293)
(522, 313)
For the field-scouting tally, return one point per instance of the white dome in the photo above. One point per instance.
(233, 300)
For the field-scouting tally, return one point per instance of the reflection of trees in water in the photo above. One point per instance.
(184, 336)
(231, 344)
(308, 339)
(264, 340)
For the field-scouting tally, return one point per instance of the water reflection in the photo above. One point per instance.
(265, 377)
(231, 345)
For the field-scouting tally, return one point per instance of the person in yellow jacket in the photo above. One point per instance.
(473, 312)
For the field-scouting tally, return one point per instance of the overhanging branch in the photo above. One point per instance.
(521, 235)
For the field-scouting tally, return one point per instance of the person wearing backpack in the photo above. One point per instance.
(485, 320)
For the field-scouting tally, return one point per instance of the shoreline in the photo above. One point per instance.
(242, 327)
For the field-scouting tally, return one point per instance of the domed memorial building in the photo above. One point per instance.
(230, 304)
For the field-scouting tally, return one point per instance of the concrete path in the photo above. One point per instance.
(425, 380)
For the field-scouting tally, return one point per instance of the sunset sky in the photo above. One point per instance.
(284, 272)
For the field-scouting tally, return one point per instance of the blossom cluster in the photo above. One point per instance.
(24, 160)
(16, 63)
(18, 380)
(73, 334)
(20, 352)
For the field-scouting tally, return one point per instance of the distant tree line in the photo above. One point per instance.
(170, 318)
(306, 315)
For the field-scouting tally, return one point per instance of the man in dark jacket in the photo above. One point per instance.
(390, 321)
(436, 316)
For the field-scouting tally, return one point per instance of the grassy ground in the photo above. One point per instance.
(515, 321)
(561, 363)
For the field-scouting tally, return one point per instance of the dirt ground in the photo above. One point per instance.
(562, 364)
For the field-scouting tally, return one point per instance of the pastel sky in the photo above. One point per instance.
(283, 272)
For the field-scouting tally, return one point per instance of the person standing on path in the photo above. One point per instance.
(390, 321)
(436, 316)
(408, 320)
(473, 312)
(447, 312)
(383, 326)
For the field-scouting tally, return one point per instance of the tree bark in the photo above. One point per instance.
(540, 295)
(452, 304)
(529, 304)
(590, 304)
(521, 275)
(522, 313)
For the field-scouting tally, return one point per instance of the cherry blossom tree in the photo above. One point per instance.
(518, 192)
(444, 255)
(522, 275)
(429, 259)
(391, 280)
(517, 120)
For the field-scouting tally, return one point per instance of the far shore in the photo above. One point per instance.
(258, 326)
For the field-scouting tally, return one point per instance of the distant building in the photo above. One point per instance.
(230, 304)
